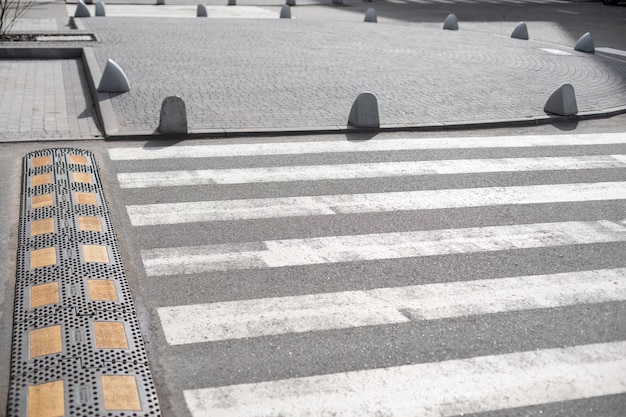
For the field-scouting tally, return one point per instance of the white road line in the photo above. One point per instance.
(293, 148)
(438, 389)
(274, 316)
(367, 170)
(203, 211)
(335, 249)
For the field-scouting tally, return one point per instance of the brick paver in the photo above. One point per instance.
(296, 73)
(45, 99)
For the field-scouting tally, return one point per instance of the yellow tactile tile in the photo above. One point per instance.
(101, 290)
(77, 159)
(41, 161)
(110, 335)
(41, 179)
(45, 341)
(84, 177)
(86, 198)
(44, 294)
(44, 200)
(120, 393)
(95, 253)
(46, 400)
(41, 227)
(89, 224)
(43, 257)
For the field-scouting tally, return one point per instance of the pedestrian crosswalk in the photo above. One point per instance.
(318, 241)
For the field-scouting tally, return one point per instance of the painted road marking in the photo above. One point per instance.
(368, 247)
(357, 171)
(447, 388)
(273, 316)
(293, 148)
(174, 213)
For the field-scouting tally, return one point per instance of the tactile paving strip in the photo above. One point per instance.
(77, 346)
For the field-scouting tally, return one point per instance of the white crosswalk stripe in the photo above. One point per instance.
(529, 176)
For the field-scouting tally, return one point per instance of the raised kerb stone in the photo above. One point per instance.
(173, 116)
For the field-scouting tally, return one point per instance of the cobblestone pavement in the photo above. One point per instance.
(250, 74)
(45, 99)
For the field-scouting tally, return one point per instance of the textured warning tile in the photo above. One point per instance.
(82, 177)
(86, 198)
(46, 400)
(95, 253)
(77, 159)
(101, 290)
(41, 227)
(41, 179)
(43, 257)
(44, 200)
(89, 223)
(41, 161)
(120, 393)
(46, 341)
(44, 294)
(110, 335)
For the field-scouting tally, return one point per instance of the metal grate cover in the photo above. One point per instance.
(77, 347)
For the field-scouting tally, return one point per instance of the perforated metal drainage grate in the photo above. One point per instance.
(77, 346)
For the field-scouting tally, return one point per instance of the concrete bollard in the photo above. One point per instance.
(232, 2)
(337, 1)
(160, 2)
(520, 31)
(585, 44)
(81, 10)
(451, 22)
(201, 11)
(173, 116)
(370, 15)
(364, 112)
(100, 9)
(113, 79)
(562, 101)
(291, 2)
(285, 12)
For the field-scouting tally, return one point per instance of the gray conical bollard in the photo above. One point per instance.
(285, 12)
(451, 22)
(160, 2)
(520, 31)
(370, 15)
(562, 101)
(364, 112)
(173, 116)
(100, 9)
(113, 79)
(232, 2)
(291, 2)
(585, 44)
(81, 10)
(201, 11)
